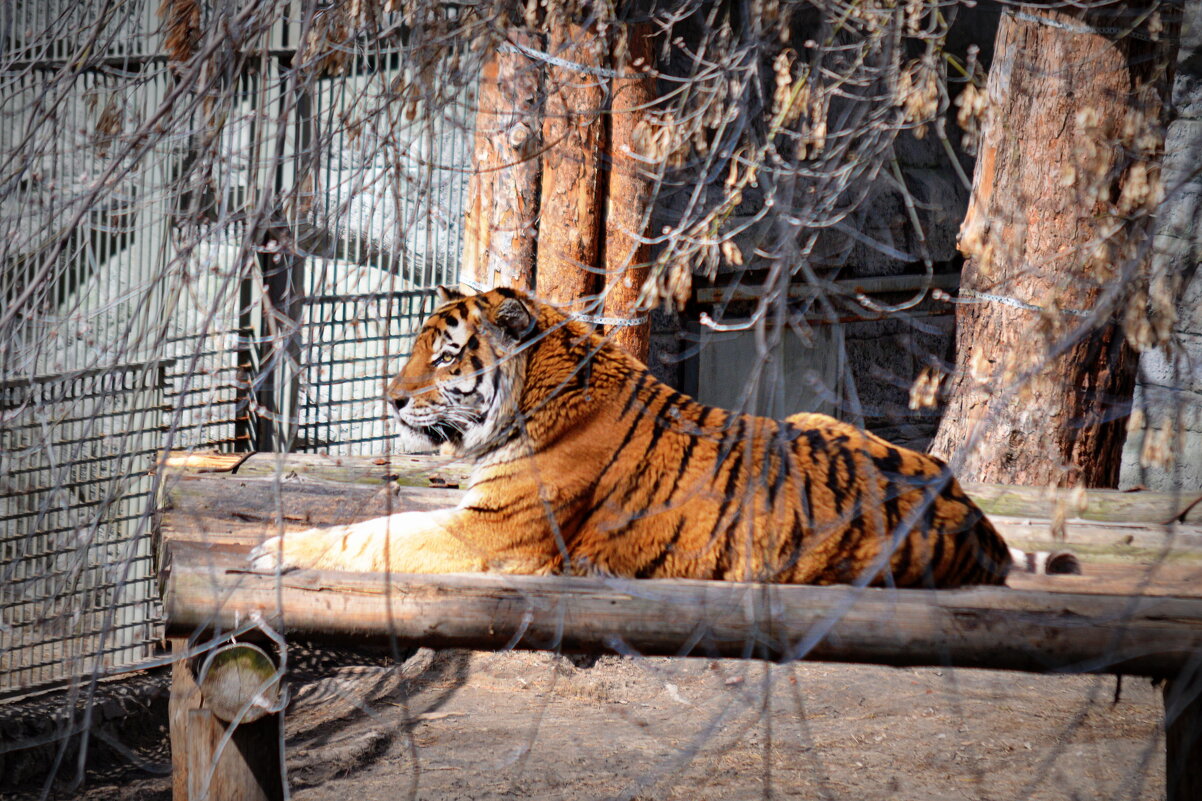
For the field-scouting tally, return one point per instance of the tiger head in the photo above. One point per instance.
(460, 389)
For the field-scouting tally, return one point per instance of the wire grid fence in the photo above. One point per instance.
(352, 340)
(146, 305)
(83, 372)
(78, 595)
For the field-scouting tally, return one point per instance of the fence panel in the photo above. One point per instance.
(77, 589)
(231, 251)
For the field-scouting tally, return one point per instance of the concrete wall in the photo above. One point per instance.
(1169, 392)
(860, 372)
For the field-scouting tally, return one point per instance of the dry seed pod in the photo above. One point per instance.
(925, 390)
(731, 252)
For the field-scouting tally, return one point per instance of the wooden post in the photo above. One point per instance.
(628, 193)
(247, 766)
(184, 699)
(277, 381)
(1183, 739)
(503, 193)
(573, 138)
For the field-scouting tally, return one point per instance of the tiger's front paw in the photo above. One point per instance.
(336, 548)
(301, 549)
(267, 556)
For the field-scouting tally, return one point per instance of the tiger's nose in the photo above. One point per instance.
(400, 403)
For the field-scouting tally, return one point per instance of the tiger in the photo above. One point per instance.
(586, 464)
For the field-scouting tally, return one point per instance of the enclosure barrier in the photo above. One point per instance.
(76, 581)
(1145, 622)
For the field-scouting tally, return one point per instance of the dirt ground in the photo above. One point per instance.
(467, 725)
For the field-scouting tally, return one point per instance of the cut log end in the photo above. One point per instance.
(1047, 563)
(236, 677)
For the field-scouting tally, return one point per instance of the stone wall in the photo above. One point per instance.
(1167, 452)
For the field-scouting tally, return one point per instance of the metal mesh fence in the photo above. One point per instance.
(388, 232)
(83, 229)
(77, 587)
(353, 345)
(226, 248)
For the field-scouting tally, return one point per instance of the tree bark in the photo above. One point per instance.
(628, 195)
(1065, 179)
(503, 194)
(573, 137)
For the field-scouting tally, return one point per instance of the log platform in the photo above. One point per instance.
(1136, 610)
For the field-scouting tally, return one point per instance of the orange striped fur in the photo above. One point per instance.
(588, 464)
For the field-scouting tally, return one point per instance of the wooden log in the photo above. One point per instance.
(239, 683)
(628, 195)
(304, 490)
(1132, 540)
(204, 461)
(417, 470)
(212, 511)
(1112, 506)
(985, 627)
(1183, 738)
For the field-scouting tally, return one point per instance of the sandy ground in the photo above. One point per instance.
(465, 725)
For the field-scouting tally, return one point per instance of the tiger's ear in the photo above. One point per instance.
(446, 294)
(514, 318)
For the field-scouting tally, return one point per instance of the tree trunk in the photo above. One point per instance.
(573, 137)
(542, 213)
(1065, 179)
(502, 216)
(628, 194)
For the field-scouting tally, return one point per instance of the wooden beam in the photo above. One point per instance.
(1100, 505)
(183, 700)
(424, 470)
(986, 627)
(870, 285)
(1124, 539)
(1104, 505)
